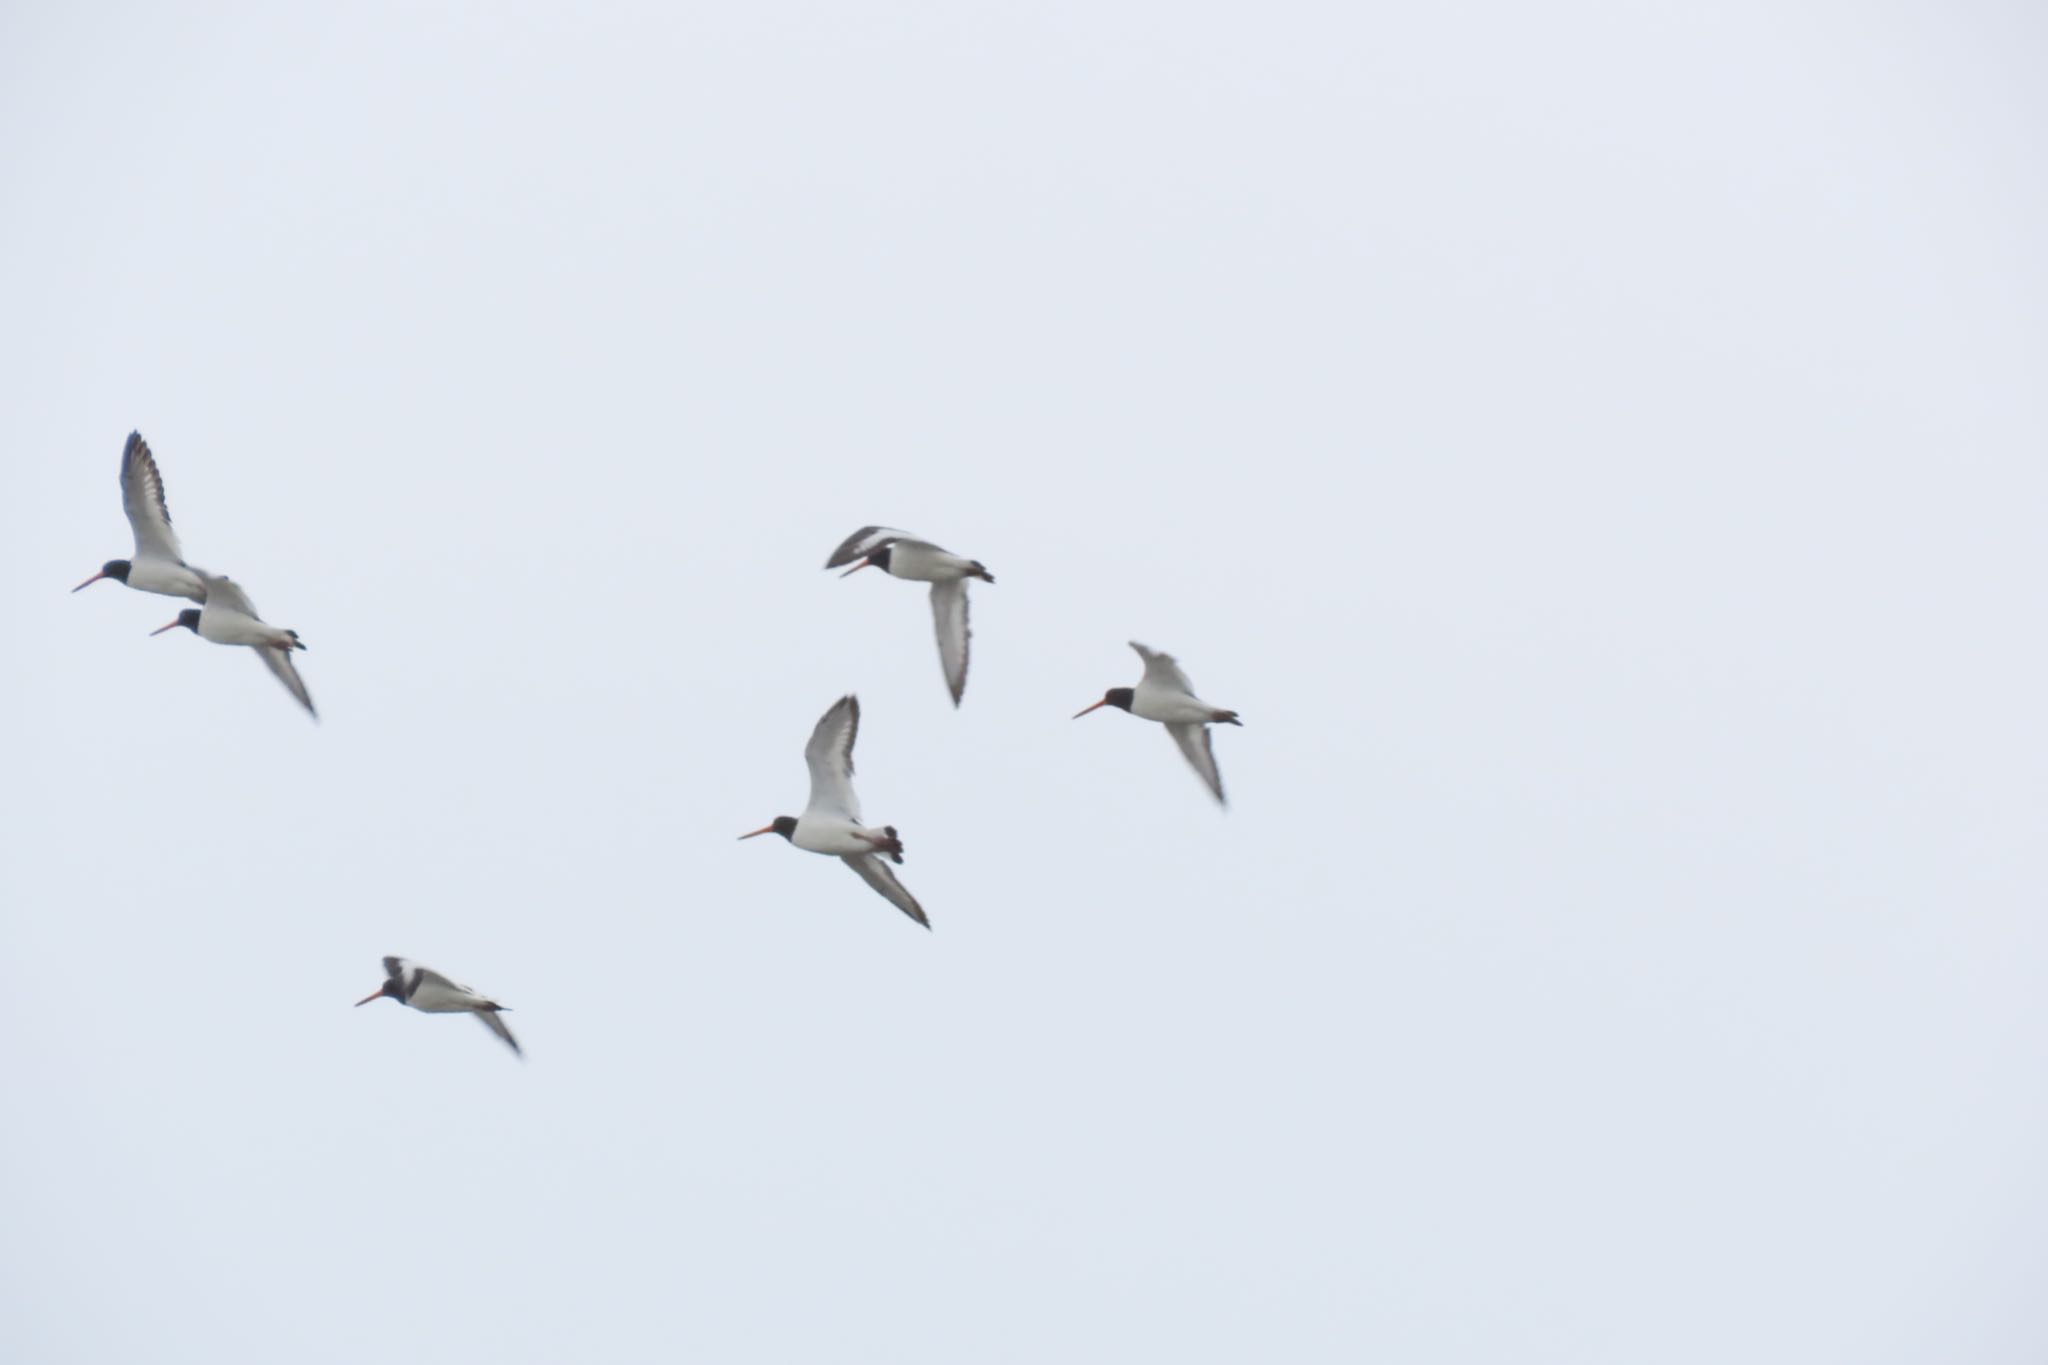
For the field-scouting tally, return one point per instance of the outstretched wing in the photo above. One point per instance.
(1162, 671)
(863, 543)
(142, 497)
(279, 662)
(1193, 739)
(949, 614)
(876, 873)
(490, 1020)
(224, 592)
(830, 757)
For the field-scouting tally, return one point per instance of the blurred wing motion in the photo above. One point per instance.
(876, 873)
(1161, 671)
(1193, 740)
(830, 757)
(279, 662)
(863, 543)
(490, 1020)
(142, 497)
(949, 614)
(223, 593)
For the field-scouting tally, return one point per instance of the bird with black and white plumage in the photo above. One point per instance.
(158, 564)
(831, 822)
(424, 989)
(1165, 695)
(229, 618)
(902, 555)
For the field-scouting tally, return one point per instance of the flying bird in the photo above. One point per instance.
(1164, 694)
(831, 823)
(410, 983)
(229, 618)
(905, 556)
(159, 565)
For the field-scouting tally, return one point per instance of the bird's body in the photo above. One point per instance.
(229, 618)
(905, 556)
(1165, 695)
(158, 564)
(831, 822)
(424, 989)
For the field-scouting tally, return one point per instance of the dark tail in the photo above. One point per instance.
(983, 574)
(296, 642)
(1226, 718)
(893, 846)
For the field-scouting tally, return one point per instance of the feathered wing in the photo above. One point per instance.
(829, 756)
(1193, 739)
(224, 592)
(142, 497)
(876, 873)
(949, 614)
(1162, 671)
(490, 1020)
(279, 662)
(863, 543)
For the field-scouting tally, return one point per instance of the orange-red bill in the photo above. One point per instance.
(1086, 709)
(161, 629)
(90, 581)
(765, 829)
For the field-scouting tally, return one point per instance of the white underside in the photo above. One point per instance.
(836, 837)
(434, 998)
(926, 563)
(166, 577)
(235, 628)
(1169, 708)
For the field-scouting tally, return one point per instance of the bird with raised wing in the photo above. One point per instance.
(159, 564)
(423, 988)
(901, 555)
(1164, 694)
(229, 618)
(831, 822)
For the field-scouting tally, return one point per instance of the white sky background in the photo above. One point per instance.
(1600, 449)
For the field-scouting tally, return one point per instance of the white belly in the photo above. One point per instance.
(166, 577)
(1170, 708)
(925, 563)
(838, 838)
(435, 998)
(234, 628)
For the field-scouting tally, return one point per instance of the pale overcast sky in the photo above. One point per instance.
(1601, 449)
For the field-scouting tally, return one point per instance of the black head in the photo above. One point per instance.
(880, 558)
(785, 825)
(392, 988)
(116, 569)
(1119, 697)
(188, 618)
